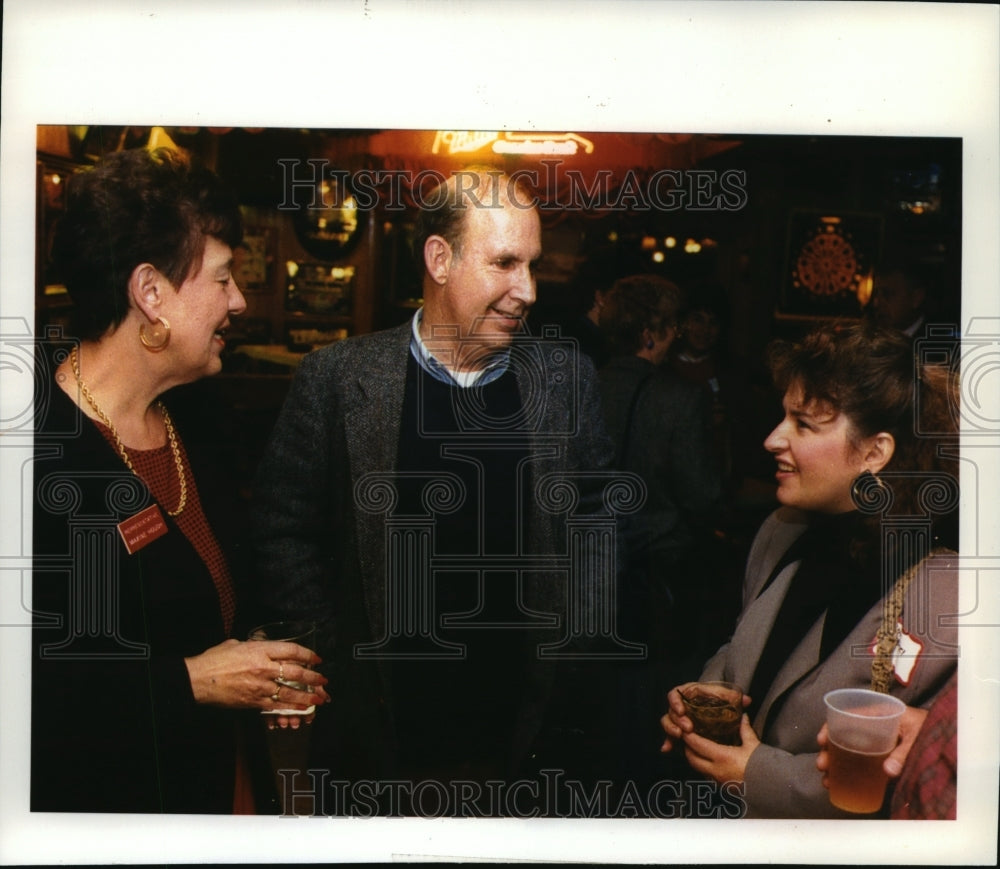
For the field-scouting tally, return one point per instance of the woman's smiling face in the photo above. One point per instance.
(817, 454)
(199, 313)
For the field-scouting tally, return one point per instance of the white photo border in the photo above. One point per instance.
(822, 68)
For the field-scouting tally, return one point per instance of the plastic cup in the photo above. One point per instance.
(863, 728)
(715, 710)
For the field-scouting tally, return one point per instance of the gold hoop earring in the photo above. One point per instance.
(159, 336)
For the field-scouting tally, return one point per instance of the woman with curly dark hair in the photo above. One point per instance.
(847, 581)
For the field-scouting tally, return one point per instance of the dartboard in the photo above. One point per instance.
(827, 265)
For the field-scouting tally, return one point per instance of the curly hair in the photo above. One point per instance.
(136, 206)
(636, 303)
(872, 377)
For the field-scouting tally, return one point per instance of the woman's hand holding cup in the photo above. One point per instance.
(287, 709)
(246, 676)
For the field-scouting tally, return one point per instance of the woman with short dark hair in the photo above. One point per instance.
(136, 675)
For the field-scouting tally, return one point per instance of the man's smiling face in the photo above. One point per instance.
(489, 285)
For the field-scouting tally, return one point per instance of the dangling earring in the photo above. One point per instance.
(159, 336)
(649, 345)
(868, 491)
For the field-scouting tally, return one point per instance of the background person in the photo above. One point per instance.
(135, 677)
(696, 356)
(901, 298)
(659, 425)
(815, 589)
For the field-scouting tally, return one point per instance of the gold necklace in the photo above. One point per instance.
(171, 435)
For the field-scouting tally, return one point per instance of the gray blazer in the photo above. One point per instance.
(321, 540)
(781, 777)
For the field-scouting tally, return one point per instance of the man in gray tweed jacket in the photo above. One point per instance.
(437, 497)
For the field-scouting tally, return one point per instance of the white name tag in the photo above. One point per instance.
(904, 654)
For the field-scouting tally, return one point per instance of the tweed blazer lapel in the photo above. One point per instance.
(372, 420)
(374, 407)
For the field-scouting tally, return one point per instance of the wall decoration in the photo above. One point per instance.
(316, 288)
(829, 261)
(329, 227)
(252, 261)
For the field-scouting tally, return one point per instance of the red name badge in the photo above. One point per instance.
(142, 529)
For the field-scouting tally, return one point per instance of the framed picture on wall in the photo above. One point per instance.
(828, 264)
(253, 259)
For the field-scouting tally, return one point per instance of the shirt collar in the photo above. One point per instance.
(435, 369)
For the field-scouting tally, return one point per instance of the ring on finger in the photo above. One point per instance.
(274, 696)
(281, 672)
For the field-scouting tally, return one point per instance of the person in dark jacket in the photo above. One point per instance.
(413, 501)
(658, 422)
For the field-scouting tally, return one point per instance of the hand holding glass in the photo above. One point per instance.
(302, 633)
(715, 710)
(863, 728)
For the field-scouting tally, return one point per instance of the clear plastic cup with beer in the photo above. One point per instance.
(863, 728)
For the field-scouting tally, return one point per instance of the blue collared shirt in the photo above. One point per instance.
(498, 364)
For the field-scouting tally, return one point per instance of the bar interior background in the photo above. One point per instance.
(787, 229)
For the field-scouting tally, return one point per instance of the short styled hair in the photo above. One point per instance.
(636, 303)
(133, 207)
(443, 208)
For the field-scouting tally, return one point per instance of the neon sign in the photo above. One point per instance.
(467, 141)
